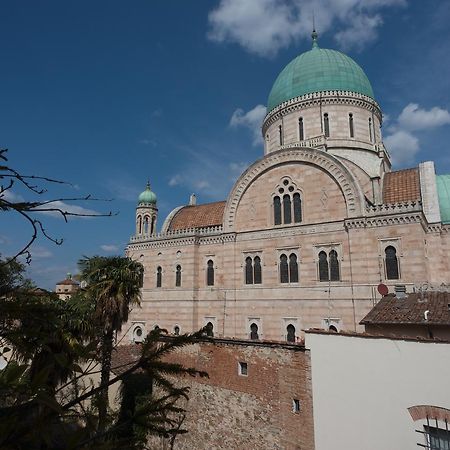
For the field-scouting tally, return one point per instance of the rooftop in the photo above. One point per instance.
(198, 216)
(401, 186)
(410, 310)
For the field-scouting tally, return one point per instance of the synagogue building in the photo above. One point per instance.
(308, 231)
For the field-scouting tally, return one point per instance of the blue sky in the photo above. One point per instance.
(108, 94)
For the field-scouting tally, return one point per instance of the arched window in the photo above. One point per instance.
(350, 125)
(287, 209)
(290, 333)
(139, 225)
(391, 263)
(297, 208)
(293, 268)
(277, 210)
(301, 134)
(254, 332)
(257, 270)
(178, 276)
(146, 225)
(284, 269)
(176, 330)
(334, 266)
(323, 266)
(152, 230)
(333, 329)
(370, 130)
(210, 273)
(209, 328)
(326, 125)
(159, 277)
(248, 270)
(280, 134)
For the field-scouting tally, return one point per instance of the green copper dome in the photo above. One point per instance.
(318, 70)
(443, 188)
(147, 196)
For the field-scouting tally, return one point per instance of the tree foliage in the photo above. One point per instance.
(51, 349)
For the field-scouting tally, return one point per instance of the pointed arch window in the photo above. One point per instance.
(287, 204)
(210, 272)
(146, 225)
(290, 333)
(284, 269)
(329, 269)
(254, 332)
(277, 210)
(248, 270)
(280, 134)
(288, 268)
(257, 270)
(350, 125)
(178, 276)
(139, 224)
(323, 266)
(370, 130)
(326, 125)
(392, 272)
(293, 268)
(152, 228)
(287, 217)
(209, 329)
(301, 131)
(297, 208)
(334, 266)
(159, 277)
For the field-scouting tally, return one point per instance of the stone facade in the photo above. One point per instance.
(346, 214)
(223, 408)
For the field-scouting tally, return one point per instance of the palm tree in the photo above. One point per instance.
(114, 284)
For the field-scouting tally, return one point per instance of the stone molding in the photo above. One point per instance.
(350, 188)
(166, 224)
(177, 233)
(318, 98)
(382, 221)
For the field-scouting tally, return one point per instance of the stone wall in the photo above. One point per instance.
(232, 411)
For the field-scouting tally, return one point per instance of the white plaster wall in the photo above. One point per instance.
(362, 388)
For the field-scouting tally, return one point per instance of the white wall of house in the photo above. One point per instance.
(363, 387)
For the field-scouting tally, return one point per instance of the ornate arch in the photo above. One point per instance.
(354, 197)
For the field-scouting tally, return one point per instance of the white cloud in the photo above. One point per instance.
(265, 26)
(415, 118)
(175, 180)
(71, 209)
(110, 248)
(403, 147)
(251, 119)
(11, 196)
(38, 252)
(402, 142)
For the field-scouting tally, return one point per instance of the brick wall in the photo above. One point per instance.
(231, 411)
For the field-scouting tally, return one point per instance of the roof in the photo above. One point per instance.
(443, 188)
(124, 356)
(411, 309)
(401, 186)
(147, 197)
(67, 282)
(198, 216)
(318, 70)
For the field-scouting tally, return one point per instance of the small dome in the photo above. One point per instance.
(147, 196)
(315, 71)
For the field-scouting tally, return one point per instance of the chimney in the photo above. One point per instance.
(192, 200)
(400, 291)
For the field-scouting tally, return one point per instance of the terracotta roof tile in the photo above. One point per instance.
(410, 310)
(124, 356)
(401, 186)
(199, 216)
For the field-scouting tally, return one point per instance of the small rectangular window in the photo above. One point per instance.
(243, 369)
(296, 405)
